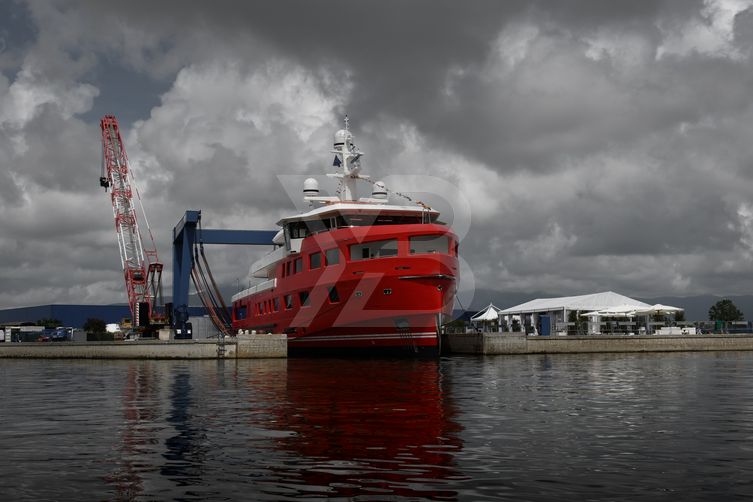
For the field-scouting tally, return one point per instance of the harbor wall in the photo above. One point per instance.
(242, 347)
(497, 343)
(276, 346)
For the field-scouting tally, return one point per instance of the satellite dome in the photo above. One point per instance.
(379, 191)
(342, 136)
(310, 187)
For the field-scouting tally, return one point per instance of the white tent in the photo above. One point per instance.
(607, 303)
(660, 309)
(490, 313)
(592, 302)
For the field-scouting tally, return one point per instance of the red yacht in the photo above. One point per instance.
(354, 273)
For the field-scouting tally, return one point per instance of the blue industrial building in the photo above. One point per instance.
(74, 316)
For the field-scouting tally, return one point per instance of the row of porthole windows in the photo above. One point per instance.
(273, 304)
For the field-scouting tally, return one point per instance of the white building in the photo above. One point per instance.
(550, 315)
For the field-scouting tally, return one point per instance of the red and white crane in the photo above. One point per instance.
(142, 269)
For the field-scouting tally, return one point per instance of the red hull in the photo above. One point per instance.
(382, 302)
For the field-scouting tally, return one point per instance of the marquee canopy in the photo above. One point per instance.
(592, 302)
(631, 311)
(490, 313)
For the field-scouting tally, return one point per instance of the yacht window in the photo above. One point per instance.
(286, 233)
(335, 222)
(315, 260)
(422, 244)
(288, 302)
(397, 220)
(359, 220)
(374, 249)
(299, 230)
(240, 312)
(277, 303)
(333, 296)
(332, 256)
(315, 226)
(304, 297)
(298, 265)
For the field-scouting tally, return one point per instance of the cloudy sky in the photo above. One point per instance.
(589, 145)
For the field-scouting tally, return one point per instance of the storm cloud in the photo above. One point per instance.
(598, 145)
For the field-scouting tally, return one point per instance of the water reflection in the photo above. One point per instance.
(139, 400)
(564, 427)
(286, 429)
(355, 427)
(184, 451)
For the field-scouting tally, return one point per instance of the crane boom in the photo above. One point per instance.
(142, 269)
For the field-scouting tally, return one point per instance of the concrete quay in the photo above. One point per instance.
(505, 343)
(241, 347)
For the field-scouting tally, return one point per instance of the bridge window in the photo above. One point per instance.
(288, 302)
(315, 226)
(299, 230)
(423, 244)
(298, 265)
(277, 303)
(359, 220)
(374, 249)
(315, 260)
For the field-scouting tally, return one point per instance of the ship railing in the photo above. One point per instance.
(262, 286)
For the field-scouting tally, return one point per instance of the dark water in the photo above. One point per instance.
(601, 427)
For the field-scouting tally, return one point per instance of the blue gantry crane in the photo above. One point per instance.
(189, 263)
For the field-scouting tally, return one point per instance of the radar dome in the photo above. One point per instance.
(310, 187)
(342, 136)
(379, 191)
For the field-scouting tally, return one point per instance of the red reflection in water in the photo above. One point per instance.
(138, 408)
(323, 427)
(366, 426)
